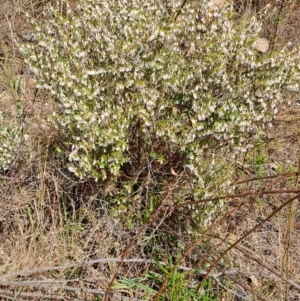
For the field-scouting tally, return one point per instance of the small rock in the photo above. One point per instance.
(262, 45)
(218, 3)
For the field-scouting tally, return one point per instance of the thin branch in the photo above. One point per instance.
(102, 260)
(51, 286)
(35, 295)
(10, 298)
(281, 176)
(5, 178)
(180, 9)
(240, 195)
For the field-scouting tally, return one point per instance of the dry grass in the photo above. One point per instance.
(59, 239)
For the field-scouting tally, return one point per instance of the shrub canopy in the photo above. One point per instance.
(150, 80)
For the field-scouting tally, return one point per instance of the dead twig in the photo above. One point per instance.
(240, 195)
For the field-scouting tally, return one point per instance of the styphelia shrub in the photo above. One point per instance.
(140, 82)
(10, 139)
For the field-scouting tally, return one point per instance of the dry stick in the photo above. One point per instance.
(14, 60)
(180, 9)
(287, 119)
(11, 298)
(52, 286)
(248, 233)
(232, 196)
(37, 295)
(80, 264)
(102, 260)
(281, 7)
(289, 230)
(278, 180)
(5, 178)
(281, 176)
(12, 34)
(152, 218)
(30, 272)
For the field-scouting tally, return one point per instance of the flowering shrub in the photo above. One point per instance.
(151, 82)
(10, 138)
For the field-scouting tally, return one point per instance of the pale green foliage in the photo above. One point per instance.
(129, 77)
(10, 138)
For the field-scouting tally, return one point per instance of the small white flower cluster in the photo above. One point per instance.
(10, 137)
(188, 77)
